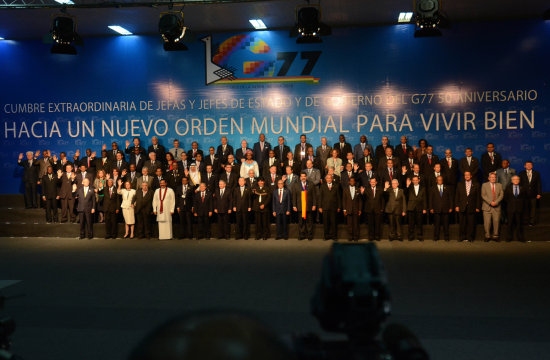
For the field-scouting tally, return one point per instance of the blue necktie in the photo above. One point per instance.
(441, 191)
(516, 191)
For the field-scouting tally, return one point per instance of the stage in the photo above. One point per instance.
(94, 299)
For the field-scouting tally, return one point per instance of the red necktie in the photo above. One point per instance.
(202, 197)
(494, 198)
(280, 195)
(391, 174)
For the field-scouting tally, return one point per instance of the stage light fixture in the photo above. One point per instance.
(427, 18)
(309, 27)
(63, 33)
(119, 29)
(258, 24)
(172, 30)
(65, 2)
(1, 38)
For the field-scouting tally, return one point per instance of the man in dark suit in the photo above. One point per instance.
(441, 205)
(409, 161)
(114, 151)
(158, 149)
(347, 174)
(315, 162)
(469, 164)
(281, 151)
(90, 161)
(305, 190)
(119, 163)
(352, 205)
(143, 210)
(268, 163)
(329, 206)
(261, 206)
(153, 163)
(261, 150)
(396, 207)
(403, 149)
(272, 177)
(380, 151)
(242, 205)
(194, 151)
(383, 161)
(183, 162)
(66, 193)
(136, 145)
(30, 179)
(224, 149)
(62, 162)
(174, 176)
(300, 150)
(138, 159)
(366, 175)
(157, 178)
(103, 163)
(516, 200)
(387, 174)
(230, 177)
(374, 207)
(359, 149)
(343, 147)
(201, 165)
(293, 163)
(428, 160)
(184, 206)
(240, 154)
(145, 177)
(467, 204)
(417, 204)
(111, 207)
(50, 194)
(367, 157)
(85, 209)
(202, 209)
(82, 174)
(222, 207)
(530, 179)
(449, 170)
(212, 159)
(490, 160)
(210, 178)
(282, 203)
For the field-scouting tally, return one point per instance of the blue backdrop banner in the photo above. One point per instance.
(478, 83)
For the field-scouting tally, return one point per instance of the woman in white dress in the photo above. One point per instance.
(335, 162)
(249, 164)
(127, 205)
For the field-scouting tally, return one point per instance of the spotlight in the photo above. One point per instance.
(172, 31)
(427, 18)
(309, 27)
(63, 33)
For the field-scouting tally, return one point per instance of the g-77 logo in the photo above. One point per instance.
(256, 62)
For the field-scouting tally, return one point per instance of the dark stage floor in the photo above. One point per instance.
(94, 299)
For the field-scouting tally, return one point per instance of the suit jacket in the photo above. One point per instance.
(505, 178)
(260, 155)
(380, 151)
(323, 155)
(467, 203)
(296, 166)
(233, 179)
(450, 174)
(358, 151)
(425, 165)
(30, 170)
(487, 195)
(367, 159)
(298, 150)
(130, 150)
(200, 207)
(383, 161)
(407, 162)
(139, 163)
(222, 155)
(314, 175)
(329, 199)
(49, 187)
(174, 179)
(344, 177)
(311, 196)
(281, 156)
(90, 163)
(222, 203)
(140, 180)
(374, 201)
(402, 155)
(153, 167)
(316, 164)
(343, 151)
(395, 204)
(473, 168)
(489, 165)
(384, 175)
(156, 182)
(417, 202)
(184, 199)
(265, 167)
(123, 166)
(144, 203)
(212, 183)
(86, 202)
(289, 183)
(160, 151)
(43, 166)
(102, 164)
(364, 178)
(111, 200)
(251, 183)
(264, 199)
(242, 202)
(79, 178)
(283, 205)
(440, 203)
(176, 153)
(270, 182)
(66, 187)
(61, 166)
(191, 154)
(349, 205)
(216, 163)
(239, 155)
(534, 187)
(111, 154)
(515, 204)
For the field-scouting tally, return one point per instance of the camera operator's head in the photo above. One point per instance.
(209, 336)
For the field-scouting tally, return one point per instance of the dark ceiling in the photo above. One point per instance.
(228, 16)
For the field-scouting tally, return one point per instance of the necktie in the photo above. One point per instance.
(145, 178)
(395, 192)
(352, 191)
(209, 174)
(221, 192)
(404, 148)
(493, 186)
(430, 159)
(280, 195)
(330, 186)
(176, 153)
(309, 171)
(262, 146)
(468, 186)
(529, 175)
(440, 190)
(349, 174)
(242, 190)
(281, 151)
(50, 176)
(391, 174)
(119, 164)
(370, 174)
(450, 162)
(88, 161)
(202, 196)
(114, 152)
(506, 171)
(110, 192)
(85, 191)
(469, 161)
(436, 174)
(373, 192)
(272, 178)
(515, 190)
(223, 149)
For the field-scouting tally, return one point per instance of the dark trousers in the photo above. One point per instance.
(111, 224)
(67, 210)
(531, 213)
(243, 225)
(51, 210)
(329, 224)
(262, 224)
(466, 227)
(224, 228)
(415, 224)
(281, 221)
(395, 226)
(306, 225)
(375, 225)
(186, 224)
(353, 226)
(86, 224)
(203, 226)
(441, 219)
(143, 224)
(515, 226)
(30, 194)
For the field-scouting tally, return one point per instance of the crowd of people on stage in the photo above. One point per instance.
(268, 183)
